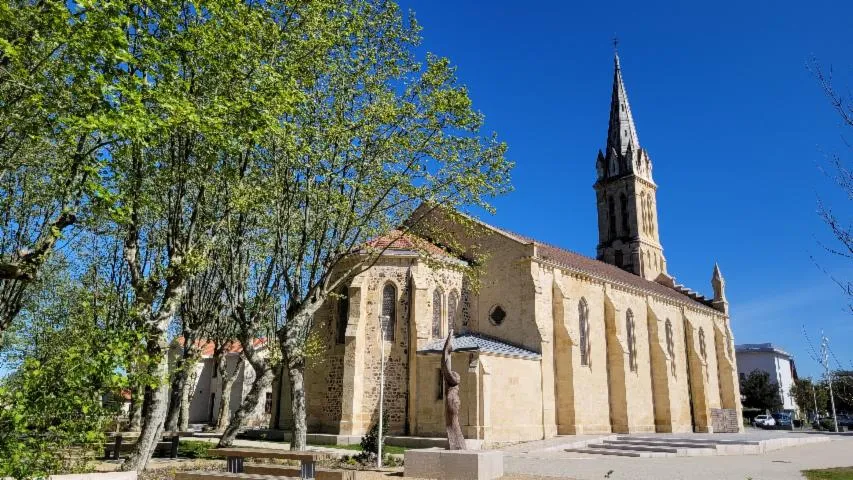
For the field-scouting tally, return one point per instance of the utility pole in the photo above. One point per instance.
(381, 388)
(814, 397)
(824, 351)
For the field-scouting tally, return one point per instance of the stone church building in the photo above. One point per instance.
(550, 343)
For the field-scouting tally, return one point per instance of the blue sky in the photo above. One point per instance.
(735, 125)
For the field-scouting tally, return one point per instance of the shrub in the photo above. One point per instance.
(370, 443)
(194, 449)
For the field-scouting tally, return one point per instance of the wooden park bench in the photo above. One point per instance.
(124, 442)
(235, 456)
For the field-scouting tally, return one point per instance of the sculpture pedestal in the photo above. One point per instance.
(454, 464)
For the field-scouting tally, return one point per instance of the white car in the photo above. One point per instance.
(764, 421)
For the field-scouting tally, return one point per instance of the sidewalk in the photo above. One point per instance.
(783, 464)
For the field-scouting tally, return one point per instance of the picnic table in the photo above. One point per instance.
(235, 456)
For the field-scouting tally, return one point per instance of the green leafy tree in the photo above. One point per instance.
(380, 134)
(57, 66)
(71, 354)
(760, 392)
(219, 78)
(809, 395)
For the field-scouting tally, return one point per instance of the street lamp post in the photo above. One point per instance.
(824, 347)
(382, 319)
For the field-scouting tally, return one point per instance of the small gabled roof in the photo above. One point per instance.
(476, 342)
(397, 240)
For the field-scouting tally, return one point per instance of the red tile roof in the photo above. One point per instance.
(398, 240)
(206, 347)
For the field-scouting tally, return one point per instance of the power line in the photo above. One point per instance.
(814, 355)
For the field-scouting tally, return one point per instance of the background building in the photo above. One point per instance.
(769, 358)
(206, 385)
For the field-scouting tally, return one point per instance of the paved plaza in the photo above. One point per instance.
(548, 459)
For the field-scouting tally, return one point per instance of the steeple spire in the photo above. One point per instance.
(622, 131)
(626, 194)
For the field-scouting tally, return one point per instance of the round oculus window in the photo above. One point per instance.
(497, 315)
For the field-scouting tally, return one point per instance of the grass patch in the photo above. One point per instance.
(393, 449)
(840, 473)
(195, 449)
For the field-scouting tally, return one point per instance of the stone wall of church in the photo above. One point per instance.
(363, 351)
(634, 392)
(430, 398)
(396, 351)
(669, 367)
(612, 393)
(512, 389)
(581, 390)
(505, 280)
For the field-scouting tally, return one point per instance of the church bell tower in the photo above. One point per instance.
(626, 194)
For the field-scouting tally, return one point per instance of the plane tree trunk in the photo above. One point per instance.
(263, 379)
(228, 379)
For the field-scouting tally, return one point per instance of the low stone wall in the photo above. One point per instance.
(724, 420)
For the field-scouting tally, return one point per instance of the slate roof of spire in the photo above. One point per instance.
(621, 132)
(476, 342)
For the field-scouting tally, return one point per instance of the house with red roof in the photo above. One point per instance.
(206, 382)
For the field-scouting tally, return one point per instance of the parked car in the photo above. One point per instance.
(845, 420)
(763, 421)
(783, 421)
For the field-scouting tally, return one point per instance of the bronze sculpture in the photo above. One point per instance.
(455, 440)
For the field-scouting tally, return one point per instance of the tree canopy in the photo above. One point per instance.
(230, 162)
(759, 392)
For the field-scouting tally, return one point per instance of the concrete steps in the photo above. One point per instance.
(666, 443)
(714, 441)
(616, 445)
(638, 446)
(619, 453)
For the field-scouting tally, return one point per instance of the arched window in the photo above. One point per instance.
(632, 342)
(389, 311)
(623, 209)
(702, 350)
(670, 346)
(583, 328)
(452, 308)
(617, 258)
(651, 216)
(343, 316)
(436, 312)
(611, 211)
